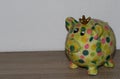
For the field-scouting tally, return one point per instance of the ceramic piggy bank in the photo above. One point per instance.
(90, 43)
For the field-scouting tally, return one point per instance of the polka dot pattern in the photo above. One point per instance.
(96, 37)
(111, 43)
(91, 38)
(81, 61)
(86, 47)
(85, 52)
(99, 54)
(107, 39)
(98, 49)
(106, 28)
(83, 28)
(72, 48)
(103, 40)
(82, 57)
(92, 54)
(98, 44)
(108, 57)
(89, 31)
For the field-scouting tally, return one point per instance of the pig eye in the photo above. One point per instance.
(82, 33)
(76, 30)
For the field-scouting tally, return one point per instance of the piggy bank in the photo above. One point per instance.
(90, 43)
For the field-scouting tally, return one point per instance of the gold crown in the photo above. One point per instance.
(83, 20)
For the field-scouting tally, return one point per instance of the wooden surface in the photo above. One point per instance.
(48, 65)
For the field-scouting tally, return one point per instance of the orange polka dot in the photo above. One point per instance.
(89, 31)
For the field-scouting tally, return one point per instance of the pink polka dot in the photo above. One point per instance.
(106, 27)
(111, 43)
(89, 31)
(82, 57)
(99, 53)
(103, 40)
(96, 37)
(86, 46)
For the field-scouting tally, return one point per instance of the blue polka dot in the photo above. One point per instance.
(85, 52)
(81, 61)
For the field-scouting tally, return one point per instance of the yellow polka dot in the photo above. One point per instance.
(93, 47)
(69, 42)
(108, 51)
(105, 46)
(84, 39)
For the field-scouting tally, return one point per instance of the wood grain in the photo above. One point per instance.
(48, 65)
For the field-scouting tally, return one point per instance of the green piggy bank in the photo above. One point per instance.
(90, 43)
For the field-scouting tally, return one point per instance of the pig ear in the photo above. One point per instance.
(70, 22)
(98, 29)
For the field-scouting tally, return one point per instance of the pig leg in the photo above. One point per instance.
(109, 63)
(73, 66)
(92, 70)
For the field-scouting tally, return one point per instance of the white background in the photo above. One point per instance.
(38, 25)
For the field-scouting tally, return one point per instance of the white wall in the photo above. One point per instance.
(37, 25)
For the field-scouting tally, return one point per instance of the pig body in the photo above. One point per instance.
(90, 43)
